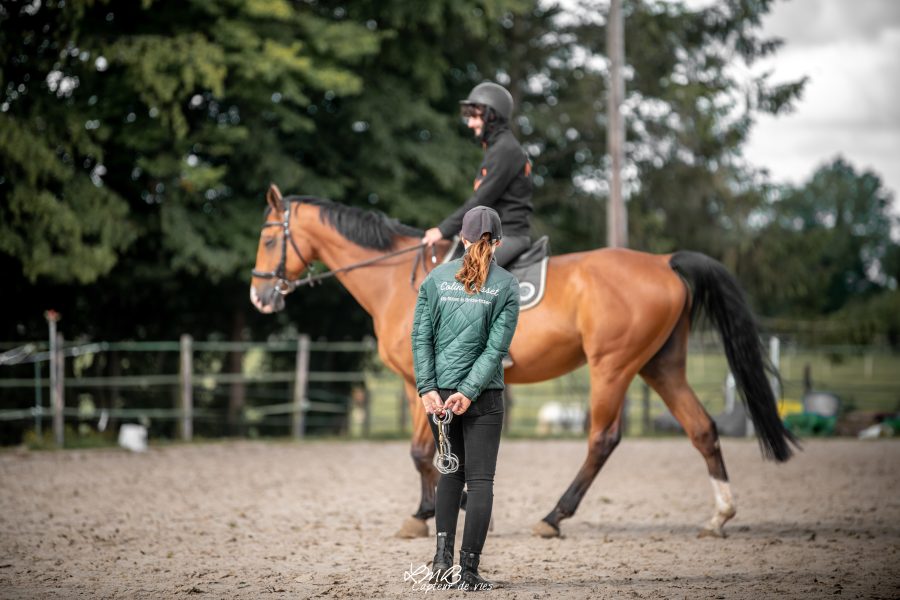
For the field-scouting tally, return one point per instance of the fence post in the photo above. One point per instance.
(367, 416)
(38, 401)
(60, 399)
(404, 410)
(645, 408)
(775, 358)
(508, 402)
(807, 378)
(187, 388)
(301, 383)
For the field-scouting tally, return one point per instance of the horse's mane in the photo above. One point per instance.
(368, 228)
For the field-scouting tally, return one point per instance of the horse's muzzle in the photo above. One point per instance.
(269, 301)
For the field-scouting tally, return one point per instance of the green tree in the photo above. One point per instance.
(825, 243)
(130, 120)
(56, 216)
(688, 115)
(175, 116)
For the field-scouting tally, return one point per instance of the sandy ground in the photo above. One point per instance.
(315, 519)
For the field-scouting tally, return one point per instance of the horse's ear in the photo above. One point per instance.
(273, 197)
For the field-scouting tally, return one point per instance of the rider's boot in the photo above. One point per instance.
(470, 580)
(443, 556)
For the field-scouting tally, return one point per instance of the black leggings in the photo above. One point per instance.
(475, 440)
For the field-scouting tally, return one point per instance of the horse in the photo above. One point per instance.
(625, 313)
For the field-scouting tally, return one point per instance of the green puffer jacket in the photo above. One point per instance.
(459, 339)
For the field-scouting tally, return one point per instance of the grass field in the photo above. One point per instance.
(864, 378)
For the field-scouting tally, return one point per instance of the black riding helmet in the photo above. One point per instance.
(492, 95)
(487, 98)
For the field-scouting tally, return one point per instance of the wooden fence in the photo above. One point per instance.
(187, 379)
(866, 378)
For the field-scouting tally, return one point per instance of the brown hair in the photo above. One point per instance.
(476, 263)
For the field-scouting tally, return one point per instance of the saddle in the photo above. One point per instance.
(530, 268)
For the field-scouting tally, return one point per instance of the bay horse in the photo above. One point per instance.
(624, 313)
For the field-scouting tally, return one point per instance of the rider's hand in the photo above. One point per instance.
(432, 235)
(433, 403)
(458, 403)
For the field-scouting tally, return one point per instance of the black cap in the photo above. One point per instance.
(480, 220)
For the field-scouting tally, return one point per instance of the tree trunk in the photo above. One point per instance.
(113, 397)
(237, 393)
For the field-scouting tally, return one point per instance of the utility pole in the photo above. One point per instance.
(616, 217)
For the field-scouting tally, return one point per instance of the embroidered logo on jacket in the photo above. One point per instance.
(456, 286)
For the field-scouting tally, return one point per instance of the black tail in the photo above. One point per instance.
(716, 293)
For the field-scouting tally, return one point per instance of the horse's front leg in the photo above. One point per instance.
(422, 452)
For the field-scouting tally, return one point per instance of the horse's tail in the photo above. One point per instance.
(716, 294)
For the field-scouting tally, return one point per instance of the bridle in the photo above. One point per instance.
(285, 286)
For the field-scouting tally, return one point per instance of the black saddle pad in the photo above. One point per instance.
(530, 268)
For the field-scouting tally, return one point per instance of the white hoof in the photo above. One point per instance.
(725, 510)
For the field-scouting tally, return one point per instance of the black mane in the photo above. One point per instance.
(368, 228)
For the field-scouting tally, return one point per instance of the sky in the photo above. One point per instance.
(850, 50)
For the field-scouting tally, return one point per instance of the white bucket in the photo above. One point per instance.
(133, 437)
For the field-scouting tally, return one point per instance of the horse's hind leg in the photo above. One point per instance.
(422, 451)
(607, 398)
(665, 373)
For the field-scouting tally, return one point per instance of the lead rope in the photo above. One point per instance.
(444, 461)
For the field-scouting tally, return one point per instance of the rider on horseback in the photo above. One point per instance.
(503, 181)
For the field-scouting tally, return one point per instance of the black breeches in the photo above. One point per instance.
(511, 247)
(475, 439)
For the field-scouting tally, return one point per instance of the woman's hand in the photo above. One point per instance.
(433, 403)
(458, 403)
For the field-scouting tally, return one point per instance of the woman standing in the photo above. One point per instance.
(465, 318)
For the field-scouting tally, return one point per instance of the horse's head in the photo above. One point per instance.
(281, 257)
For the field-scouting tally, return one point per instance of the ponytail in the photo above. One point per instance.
(476, 264)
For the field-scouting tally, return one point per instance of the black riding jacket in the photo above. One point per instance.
(503, 183)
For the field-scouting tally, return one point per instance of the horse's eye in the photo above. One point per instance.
(270, 243)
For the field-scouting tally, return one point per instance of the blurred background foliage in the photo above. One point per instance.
(137, 139)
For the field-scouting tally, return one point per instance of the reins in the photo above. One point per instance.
(285, 286)
(311, 279)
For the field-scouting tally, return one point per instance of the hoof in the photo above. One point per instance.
(545, 530)
(713, 532)
(413, 527)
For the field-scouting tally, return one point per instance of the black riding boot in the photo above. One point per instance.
(470, 580)
(443, 556)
